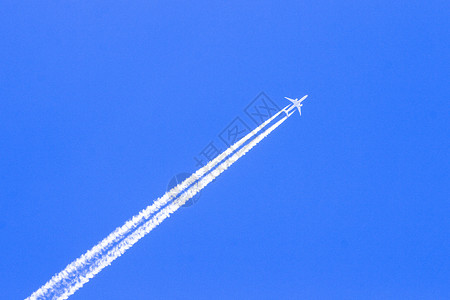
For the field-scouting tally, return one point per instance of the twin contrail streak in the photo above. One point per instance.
(133, 238)
(76, 274)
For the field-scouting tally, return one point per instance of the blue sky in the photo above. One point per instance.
(103, 103)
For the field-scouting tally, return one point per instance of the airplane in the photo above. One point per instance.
(296, 104)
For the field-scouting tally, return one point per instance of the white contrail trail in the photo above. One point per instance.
(70, 273)
(139, 233)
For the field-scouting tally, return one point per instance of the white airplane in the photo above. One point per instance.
(295, 104)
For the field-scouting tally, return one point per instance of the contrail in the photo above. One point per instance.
(139, 233)
(66, 277)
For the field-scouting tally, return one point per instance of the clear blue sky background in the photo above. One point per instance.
(101, 103)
